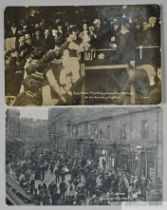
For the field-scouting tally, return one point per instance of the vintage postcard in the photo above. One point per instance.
(82, 55)
(84, 156)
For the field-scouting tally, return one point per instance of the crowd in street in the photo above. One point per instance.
(54, 177)
(43, 65)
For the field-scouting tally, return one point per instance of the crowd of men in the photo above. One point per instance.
(54, 177)
(43, 65)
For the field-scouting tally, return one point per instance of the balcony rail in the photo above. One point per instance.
(92, 53)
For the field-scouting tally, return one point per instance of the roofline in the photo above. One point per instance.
(122, 114)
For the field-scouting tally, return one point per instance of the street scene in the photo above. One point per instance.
(83, 156)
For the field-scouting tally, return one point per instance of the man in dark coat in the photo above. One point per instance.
(49, 40)
(31, 95)
(11, 86)
(52, 190)
(38, 40)
(63, 188)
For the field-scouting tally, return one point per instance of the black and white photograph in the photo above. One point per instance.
(82, 55)
(84, 156)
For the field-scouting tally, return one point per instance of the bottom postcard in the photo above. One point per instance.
(83, 156)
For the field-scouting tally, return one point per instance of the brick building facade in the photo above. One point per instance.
(128, 138)
(12, 124)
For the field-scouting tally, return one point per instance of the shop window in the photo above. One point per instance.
(86, 127)
(89, 129)
(144, 129)
(96, 133)
(108, 131)
(100, 134)
(74, 131)
(78, 131)
(124, 132)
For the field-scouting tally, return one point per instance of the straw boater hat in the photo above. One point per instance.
(97, 21)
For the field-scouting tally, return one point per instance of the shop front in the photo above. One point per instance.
(109, 155)
(145, 162)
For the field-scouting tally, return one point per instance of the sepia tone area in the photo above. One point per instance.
(84, 156)
(82, 55)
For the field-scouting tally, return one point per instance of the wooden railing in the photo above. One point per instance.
(141, 48)
(92, 53)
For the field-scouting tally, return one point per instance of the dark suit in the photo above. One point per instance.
(49, 42)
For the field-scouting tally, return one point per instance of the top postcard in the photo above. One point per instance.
(82, 55)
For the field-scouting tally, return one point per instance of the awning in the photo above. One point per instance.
(14, 139)
(13, 198)
(13, 184)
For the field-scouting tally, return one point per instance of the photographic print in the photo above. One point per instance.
(82, 55)
(84, 156)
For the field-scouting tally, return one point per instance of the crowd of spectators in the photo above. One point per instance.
(54, 177)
